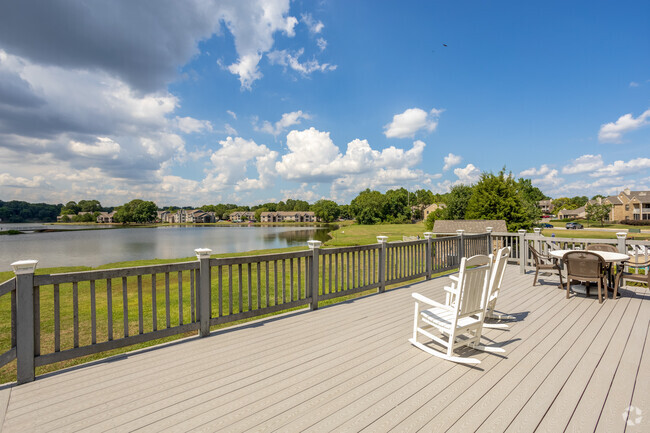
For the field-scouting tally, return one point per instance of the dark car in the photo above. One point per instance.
(546, 226)
(573, 226)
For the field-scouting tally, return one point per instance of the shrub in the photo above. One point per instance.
(635, 222)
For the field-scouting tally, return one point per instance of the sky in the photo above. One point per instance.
(203, 102)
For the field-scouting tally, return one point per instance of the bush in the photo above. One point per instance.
(635, 222)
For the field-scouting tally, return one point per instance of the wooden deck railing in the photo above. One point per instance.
(63, 316)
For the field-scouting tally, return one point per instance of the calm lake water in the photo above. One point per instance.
(98, 247)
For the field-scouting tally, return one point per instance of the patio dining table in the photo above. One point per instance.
(608, 256)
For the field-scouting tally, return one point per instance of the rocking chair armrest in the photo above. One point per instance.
(454, 278)
(426, 300)
(451, 290)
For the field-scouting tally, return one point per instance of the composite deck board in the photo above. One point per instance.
(349, 367)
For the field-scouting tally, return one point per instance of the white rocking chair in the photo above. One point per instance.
(496, 278)
(461, 323)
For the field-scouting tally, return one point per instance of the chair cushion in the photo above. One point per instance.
(441, 317)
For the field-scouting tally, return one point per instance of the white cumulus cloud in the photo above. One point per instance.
(467, 175)
(408, 123)
(619, 168)
(583, 164)
(613, 132)
(287, 120)
(451, 160)
(190, 125)
(287, 59)
(535, 171)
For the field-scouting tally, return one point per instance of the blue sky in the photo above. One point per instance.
(199, 102)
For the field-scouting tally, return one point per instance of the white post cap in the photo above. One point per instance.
(382, 239)
(521, 231)
(24, 266)
(460, 232)
(537, 230)
(428, 235)
(488, 229)
(314, 244)
(203, 253)
(621, 235)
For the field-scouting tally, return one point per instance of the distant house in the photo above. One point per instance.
(242, 216)
(629, 205)
(286, 216)
(432, 208)
(546, 206)
(578, 213)
(470, 226)
(105, 217)
(186, 216)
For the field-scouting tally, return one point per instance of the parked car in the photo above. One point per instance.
(573, 226)
(546, 226)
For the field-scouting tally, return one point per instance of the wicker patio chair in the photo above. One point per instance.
(588, 267)
(602, 247)
(544, 262)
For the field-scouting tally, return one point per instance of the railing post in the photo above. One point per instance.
(620, 236)
(428, 236)
(24, 270)
(490, 248)
(523, 251)
(382, 263)
(314, 246)
(461, 245)
(538, 241)
(204, 307)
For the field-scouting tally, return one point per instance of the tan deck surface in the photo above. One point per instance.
(571, 365)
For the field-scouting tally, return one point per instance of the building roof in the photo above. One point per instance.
(577, 211)
(613, 199)
(470, 226)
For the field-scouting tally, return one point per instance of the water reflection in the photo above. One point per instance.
(97, 247)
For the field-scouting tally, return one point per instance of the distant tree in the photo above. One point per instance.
(496, 197)
(15, 211)
(295, 205)
(345, 212)
(326, 210)
(258, 213)
(396, 206)
(65, 219)
(89, 206)
(136, 211)
(598, 196)
(457, 201)
(530, 192)
(437, 214)
(420, 200)
(368, 207)
(598, 212)
(71, 208)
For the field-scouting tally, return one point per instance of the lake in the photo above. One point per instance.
(98, 247)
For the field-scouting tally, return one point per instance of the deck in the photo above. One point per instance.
(571, 365)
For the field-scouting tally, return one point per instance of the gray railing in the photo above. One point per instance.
(59, 317)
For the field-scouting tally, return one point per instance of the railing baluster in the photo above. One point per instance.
(322, 266)
(140, 313)
(220, 278)
(229, 290)
(109, 306)
(250, 286)
(37, 321)
(241, 289)
(284, 282)
(291, 277)
(154, 303)
(329, 290)
(14, 318)
(266, 267)
(93, 313)
(125, 307)
(259, 287)
(192, 312)
(299, 278)
(57, 320)
(168, 316)
(337, 256)
(75, 313)
(275, 280)
(180, 297)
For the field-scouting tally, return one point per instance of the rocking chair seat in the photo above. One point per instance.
(443, 317)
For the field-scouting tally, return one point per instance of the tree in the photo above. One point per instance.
(326, 210)
(396, 206)
(70, 208)
(496, 197)
(345, 212)
(598, 212)
(457, 201)
(89, 206)
(530, 192)
(437, 214)
(136, 211)
(368, 207)
(258, 213)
